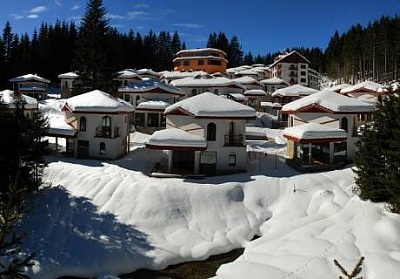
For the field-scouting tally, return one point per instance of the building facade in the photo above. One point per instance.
(209, 60)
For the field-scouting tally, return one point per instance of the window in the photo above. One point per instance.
(211, 131)
(82, 123)
(303, 73)
(102, 148)
(216, 91)
(344, 124)
(127, 97)
(200, 62)
(186, 63)
(232, 159)
(152, 120)
(303, 80)
(139, 119)
(303, 66)
(106, 126)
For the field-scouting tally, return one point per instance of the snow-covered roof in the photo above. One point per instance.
(29, 77)
(150, 72)
(210, 105)
(314, 131)
(246, 80)
(127, 73)
(209, 82)
(68, 75)
(366, 86)
(179, 75)
(294, 90)
(338, 87)
(236, 96)
(153, 105)
(173, 138)
(331, 101)
(58, 126)
(199, 50)
(273, 80)
(151, 86)
(97, 101)
(247, 72)
(255, 92)
(9, 97)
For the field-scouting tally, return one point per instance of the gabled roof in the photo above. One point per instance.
(175, 139)
(366, 86)
(328, 101)
(210, 105)
(309, 132)
(294, 91)
(97, 101)
(153, 105)
(68, 75)
(128, 74)
(274, 81)
(292, 57)
(150, 85)
(247, 80)
(29, 77)
(338, 87)
(8, 97)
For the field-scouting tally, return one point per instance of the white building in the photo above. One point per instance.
(31, 85)
(101, 124)
(204, 134)
(331, 139)
(67, 83)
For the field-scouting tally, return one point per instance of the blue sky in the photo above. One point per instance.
(261, 26)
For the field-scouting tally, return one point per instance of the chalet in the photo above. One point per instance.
(10, 99)
(67, 83)
(323, 129)
(199, 84)
(288, 94)
(364, 88)
(294, 68)
(149, 97)
(209, 60)
(204, 134)
(31, 85)
(273, 84)
(101, 125)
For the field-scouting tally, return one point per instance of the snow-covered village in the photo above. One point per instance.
(278, 168)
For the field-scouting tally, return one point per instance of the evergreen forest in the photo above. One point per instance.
(369, 52)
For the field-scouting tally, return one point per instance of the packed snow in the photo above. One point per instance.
(101, 219)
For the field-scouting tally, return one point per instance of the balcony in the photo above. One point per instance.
(107, 132)
(233, 140)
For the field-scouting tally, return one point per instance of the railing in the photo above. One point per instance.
(233, 140)
(107, 132)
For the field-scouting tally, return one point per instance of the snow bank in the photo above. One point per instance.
(110, 218)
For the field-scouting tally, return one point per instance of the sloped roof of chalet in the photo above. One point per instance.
(151, 86)
(179, 74)
(247, 80)
(286, 58)
(200, 50)
(29, 77)
(68, 75)
(145, 71)
(274, 80)
(338, 87)
(97, 101)
(210, 105)
(314, 131)
(128, 73)
(255, 92)
(206, 82)
(173, 138)
(9, 97)
(366, 86)
(328, 101)
(294, 90)
(153, 105)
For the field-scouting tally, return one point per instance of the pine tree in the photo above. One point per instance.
(378, 157)
(93, 56)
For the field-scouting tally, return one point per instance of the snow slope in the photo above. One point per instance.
(100, 218)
